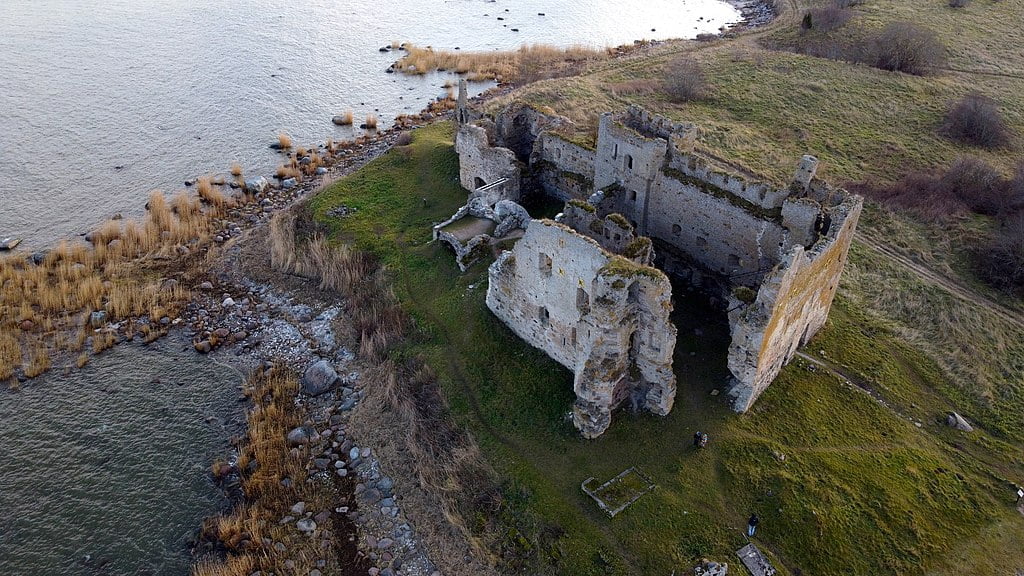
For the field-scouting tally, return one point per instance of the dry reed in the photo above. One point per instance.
(511, 66)
(284, 141)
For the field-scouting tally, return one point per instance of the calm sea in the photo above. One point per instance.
(102, 101)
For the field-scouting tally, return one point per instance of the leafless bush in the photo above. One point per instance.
(684, 80)
(976, 120)
(907, 47)
(969, 184)
(404, 139)
(958, 3)
(826, 19)
(1001, 263)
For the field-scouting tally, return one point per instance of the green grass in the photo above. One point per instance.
(843, 484)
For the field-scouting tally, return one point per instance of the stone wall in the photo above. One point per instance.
(598, 314)
(792, 305)
(481, 164)
(718, 229)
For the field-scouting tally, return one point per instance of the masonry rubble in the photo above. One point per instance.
(591, 287)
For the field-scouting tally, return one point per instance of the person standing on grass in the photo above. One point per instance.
(696, 439)
(752, 524)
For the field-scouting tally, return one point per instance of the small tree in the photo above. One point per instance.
(684, 80)
(976, 120)
(906, 47)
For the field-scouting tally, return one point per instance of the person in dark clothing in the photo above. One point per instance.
(696, 439)
(752, 524)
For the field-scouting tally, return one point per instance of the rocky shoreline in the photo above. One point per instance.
(251, 317)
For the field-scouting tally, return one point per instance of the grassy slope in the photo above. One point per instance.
(860, 490)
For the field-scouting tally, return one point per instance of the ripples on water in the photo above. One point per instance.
(169, 89)
(112, 462)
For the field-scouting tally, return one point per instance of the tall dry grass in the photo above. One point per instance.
(265, 461)
(377, 317)
(526, 64)
(118, 272)
(371, 121)
(212, 195)
(284, 141)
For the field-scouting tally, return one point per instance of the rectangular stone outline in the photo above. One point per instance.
(595, 494)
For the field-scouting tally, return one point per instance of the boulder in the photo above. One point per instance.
(318, 378)
(298, 436)
(955, 420)
(306, 525)
(289, 183)
(257, 186)
(98, 319)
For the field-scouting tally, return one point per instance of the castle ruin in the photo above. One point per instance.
(591, 288)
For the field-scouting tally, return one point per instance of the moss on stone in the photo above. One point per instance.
(585, 206)
(638, 247)
(771, 214)
(619, 221)
(619, 266)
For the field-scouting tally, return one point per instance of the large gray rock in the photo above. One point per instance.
(306, 525)
(298, 436)
(318, 378)
(257, 186)
(957, 421)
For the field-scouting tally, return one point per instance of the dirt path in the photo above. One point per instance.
(950, 285)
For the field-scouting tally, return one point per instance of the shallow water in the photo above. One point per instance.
(112, 462)
(170, 89)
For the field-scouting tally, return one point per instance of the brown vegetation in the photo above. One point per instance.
(826, 19)
(371, 122)
(684, 80)
(46, 305)
(969, 184)
(236, 170)
(284, 141)
(377, 318)
(526, 64)
(975, 120)
(273, 477)
(907, 47)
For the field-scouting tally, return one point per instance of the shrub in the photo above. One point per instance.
(826, 19)
(909, 48)
(684, 80)
(284, 141)
(979, 186)
(404, 139)
(236, 170)
(1001, 262)
(976, 120)
(958, 3)
(968, 184)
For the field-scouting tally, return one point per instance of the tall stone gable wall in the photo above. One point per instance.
(604, 318)
(792, 305)
(481, 164)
